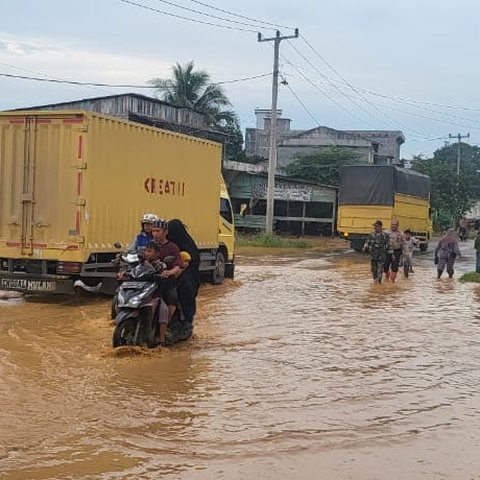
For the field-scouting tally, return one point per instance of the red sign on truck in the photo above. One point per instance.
(160, 186)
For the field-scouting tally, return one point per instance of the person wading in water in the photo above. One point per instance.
(377, 245)
(446, 252)
(397, 247)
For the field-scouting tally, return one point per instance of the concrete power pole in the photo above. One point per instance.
(459, 137)
(272, 157)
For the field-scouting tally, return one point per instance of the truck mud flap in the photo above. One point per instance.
(36, 285)
(109, 286)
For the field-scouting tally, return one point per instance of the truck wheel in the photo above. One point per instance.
(357, 245)
(424, 247)
(218, 274)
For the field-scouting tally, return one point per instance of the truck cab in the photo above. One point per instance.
(226, 232)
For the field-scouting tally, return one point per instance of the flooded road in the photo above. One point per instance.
(300, 369)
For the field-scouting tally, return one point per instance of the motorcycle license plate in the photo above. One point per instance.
(132, 285)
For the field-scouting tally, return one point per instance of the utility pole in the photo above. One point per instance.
(272, 157)
(459, 137)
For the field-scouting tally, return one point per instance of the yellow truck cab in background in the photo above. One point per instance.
(74, 183)
(369, 193)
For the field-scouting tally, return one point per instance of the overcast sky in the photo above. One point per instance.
(416, 56)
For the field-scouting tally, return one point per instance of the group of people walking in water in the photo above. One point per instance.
(388, 248)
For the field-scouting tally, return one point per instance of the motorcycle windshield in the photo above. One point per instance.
(143, 271)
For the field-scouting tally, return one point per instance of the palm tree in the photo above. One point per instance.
(193, 89)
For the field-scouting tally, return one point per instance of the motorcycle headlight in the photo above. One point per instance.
(135, 301)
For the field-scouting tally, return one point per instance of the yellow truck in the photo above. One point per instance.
(74, 185)
(369, 193)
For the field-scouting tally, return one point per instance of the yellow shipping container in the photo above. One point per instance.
(72, 184)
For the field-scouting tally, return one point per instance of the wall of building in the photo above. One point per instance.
(374, 146)
(300, 207)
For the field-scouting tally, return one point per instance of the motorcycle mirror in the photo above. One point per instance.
(117, 245)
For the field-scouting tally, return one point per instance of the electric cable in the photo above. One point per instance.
(97, 84)
(228, 12)
(174, 15)
(302, 104)
(350, 113)
(391, 120)
(198, 12)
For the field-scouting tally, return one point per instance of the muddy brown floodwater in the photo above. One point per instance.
(300, 369)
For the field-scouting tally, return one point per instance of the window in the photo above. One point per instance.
(225, 210)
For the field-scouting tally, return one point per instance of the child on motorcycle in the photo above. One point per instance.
(186, 259)
(145, 236)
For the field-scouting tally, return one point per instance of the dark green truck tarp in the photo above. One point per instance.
(377, 185)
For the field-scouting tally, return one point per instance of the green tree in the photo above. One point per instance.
(451, 196)
(191, 88)
(324, 165)
(194, 89)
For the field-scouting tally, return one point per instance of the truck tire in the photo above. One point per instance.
(357, 244)
(218, 274)
(424, 247)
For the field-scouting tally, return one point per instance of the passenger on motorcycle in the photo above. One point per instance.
(145, 235)
(189, 280)
(169, 289)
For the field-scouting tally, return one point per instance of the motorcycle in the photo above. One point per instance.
(136, 305)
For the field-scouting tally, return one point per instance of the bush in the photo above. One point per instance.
(470, 277)
(272, 241)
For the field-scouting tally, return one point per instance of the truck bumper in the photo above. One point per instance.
(28, 283)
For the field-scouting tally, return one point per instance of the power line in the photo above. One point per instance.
(352, 100)
(301, 103)
(434, 119)
(198, 12)
(420, 107)
(96, 84)
(49, 76)
(428, 139)
(228, 12)
(316, 87)
(395, 122)
(396, 97)
(194, 20)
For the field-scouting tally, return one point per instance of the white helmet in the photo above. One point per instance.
(148, 218)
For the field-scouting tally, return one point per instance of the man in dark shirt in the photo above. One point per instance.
(169, 289)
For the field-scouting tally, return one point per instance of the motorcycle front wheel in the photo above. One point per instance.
(124, 332)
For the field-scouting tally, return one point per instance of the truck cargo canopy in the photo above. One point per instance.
(377, 185)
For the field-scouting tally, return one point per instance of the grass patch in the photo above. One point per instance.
(272, 241)
(470, 277)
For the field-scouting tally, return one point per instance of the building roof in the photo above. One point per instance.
(103, 97)
(379, 134)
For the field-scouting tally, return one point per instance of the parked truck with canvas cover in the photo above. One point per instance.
(74, 184)
(370, 193)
